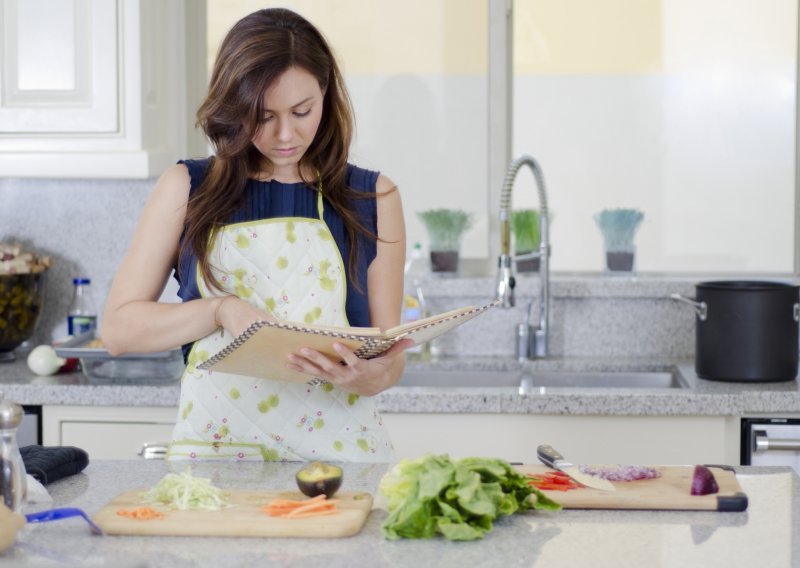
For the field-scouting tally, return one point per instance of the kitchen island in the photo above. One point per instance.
(767, 534)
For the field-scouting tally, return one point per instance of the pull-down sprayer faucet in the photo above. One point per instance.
(531, 342)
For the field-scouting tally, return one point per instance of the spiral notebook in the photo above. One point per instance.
(262, 350)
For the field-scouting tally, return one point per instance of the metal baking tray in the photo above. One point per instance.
(98, 363)
(75, 348)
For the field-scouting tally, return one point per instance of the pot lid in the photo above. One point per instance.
(755, 285)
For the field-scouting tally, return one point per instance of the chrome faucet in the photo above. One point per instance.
(531, 342)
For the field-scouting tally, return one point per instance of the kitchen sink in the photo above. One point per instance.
(532, 381)
(459, 379)
(604, 379)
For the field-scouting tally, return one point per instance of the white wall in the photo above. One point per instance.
(428, 134)
(689, 115)
(683, 109)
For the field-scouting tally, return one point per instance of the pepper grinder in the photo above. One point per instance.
(13, 480)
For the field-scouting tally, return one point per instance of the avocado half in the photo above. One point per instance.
(318, 478)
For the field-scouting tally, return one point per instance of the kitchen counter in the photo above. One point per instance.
(698, 397)
(768, 533)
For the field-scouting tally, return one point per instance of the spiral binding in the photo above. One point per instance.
(372, 346)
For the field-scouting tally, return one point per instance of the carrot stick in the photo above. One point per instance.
(293, 509)
(307, 508)
(314, 514)
(141, 514)
(311, 508)
(291, 503)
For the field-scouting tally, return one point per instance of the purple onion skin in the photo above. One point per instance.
(703, 482)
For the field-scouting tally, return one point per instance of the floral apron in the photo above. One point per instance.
(292, 268)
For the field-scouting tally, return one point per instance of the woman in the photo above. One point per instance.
(278, 225)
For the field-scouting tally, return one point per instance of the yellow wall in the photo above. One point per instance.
(386, 37)
(587, 37)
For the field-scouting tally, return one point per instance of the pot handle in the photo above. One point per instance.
(702, 308)
(796, 312)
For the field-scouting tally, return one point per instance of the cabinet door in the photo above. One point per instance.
(653, 440)
(99, 88)
(60, 67)
(107, 432)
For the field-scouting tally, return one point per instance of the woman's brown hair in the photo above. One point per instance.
(256, 51)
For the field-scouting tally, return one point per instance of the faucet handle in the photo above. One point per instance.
(539, 343)
(523, 350)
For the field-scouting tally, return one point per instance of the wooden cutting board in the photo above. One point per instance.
(671, 491)
(243, 517)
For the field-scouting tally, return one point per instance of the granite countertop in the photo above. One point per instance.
(768, 533)
(697, 397)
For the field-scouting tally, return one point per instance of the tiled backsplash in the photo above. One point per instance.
(591, 316)
(86, 225)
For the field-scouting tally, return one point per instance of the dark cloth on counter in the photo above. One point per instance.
(51, 463)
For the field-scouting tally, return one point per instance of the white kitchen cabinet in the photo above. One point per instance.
(107, 432)
(582, 439)
(120, 432)
(99, 88)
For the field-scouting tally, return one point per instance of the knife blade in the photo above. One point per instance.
(551, 457)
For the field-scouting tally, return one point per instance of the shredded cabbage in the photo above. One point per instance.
(184, 491)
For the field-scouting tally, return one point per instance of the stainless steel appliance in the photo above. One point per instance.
(771, 441)
(29, 431)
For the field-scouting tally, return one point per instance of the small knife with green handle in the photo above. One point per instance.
(550, 456)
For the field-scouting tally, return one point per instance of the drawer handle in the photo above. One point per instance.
(154, 450)
(762, 443)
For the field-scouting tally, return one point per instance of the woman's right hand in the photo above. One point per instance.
(236, 315)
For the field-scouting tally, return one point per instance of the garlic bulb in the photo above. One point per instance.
(42, 360)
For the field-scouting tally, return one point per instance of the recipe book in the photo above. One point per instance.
(262, 350)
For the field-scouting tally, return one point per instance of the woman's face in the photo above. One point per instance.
(292, 113)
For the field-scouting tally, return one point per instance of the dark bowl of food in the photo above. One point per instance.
(21, 304)
(22, 283)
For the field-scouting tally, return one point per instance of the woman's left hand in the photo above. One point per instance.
(365, 377)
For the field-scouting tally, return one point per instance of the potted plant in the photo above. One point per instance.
(445, 227)
(618, 227)
(525, 225)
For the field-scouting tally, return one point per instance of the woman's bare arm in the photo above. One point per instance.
(133, 319)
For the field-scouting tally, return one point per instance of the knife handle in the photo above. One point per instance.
(548, 455)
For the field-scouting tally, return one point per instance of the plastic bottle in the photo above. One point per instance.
(13, 481)
(82, 315)
(414, 306)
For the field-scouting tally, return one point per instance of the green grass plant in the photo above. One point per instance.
(525, 224)
(445, 227)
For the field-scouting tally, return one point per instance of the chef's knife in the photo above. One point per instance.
(550, 456)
